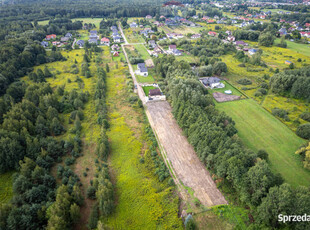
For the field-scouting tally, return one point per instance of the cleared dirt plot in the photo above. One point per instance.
(258, 129)
(222, 97)
(182, 156)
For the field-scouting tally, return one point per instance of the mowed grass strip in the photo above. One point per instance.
(142, 50)
(260, 130)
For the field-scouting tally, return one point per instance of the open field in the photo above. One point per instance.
(276, 56)
(182, 156)
(297, 47)
(143, 52)
(260, 130)
(294, 107)
(95, 21)
(133, 36)
(142, 201)
(6, 190)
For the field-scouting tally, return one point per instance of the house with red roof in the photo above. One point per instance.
(105, 41)
(211, 33)
(51, 36)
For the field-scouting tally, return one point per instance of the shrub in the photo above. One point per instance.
(280, 113)
(91, 192)
(262, 91)
(69, 161)
(262, 154)
(304, 131)
(305, 116)
(244, 81)
(258, 94)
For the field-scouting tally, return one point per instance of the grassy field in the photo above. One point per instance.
(276, 56)
(297, 47)
(6, 190)
(142, 79)
(294, 107)
(260, 130)
(142, 201)
(142, 50)
(95, 21)
(133, 36)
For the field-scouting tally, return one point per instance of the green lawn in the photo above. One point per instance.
(95, 21)
(148, 79)
(146, 89)
(260, 130)
(299, 48)
(6, 191)
(142, 50)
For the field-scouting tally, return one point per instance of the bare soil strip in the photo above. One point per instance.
(182, 156)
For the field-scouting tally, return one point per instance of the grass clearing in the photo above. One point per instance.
(133, 36)
(6, 189)
(260, 130)
(142, 50)
(142, 201)
(295, 108)
(297, 47)
(95, 21)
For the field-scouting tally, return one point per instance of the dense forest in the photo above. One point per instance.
(213, 136)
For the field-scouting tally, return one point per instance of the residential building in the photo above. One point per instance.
(105, 41)
(142, 70)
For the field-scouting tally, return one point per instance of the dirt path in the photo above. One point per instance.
(182, 156)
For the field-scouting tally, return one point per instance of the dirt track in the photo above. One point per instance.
(181, 154)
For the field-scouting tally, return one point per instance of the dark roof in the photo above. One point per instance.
(210, 80)
(93, 41)
(80, 42)
(154, 92)
(142, 68)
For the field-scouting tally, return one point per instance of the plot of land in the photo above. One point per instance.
(182, 156)
(260, 130)
(6, 190)
(299, 48)
(222, 97)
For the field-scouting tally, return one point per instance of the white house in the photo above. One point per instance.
(142, 70)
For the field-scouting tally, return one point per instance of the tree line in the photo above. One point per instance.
(212, 134)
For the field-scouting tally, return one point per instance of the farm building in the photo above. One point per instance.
(288, 62)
